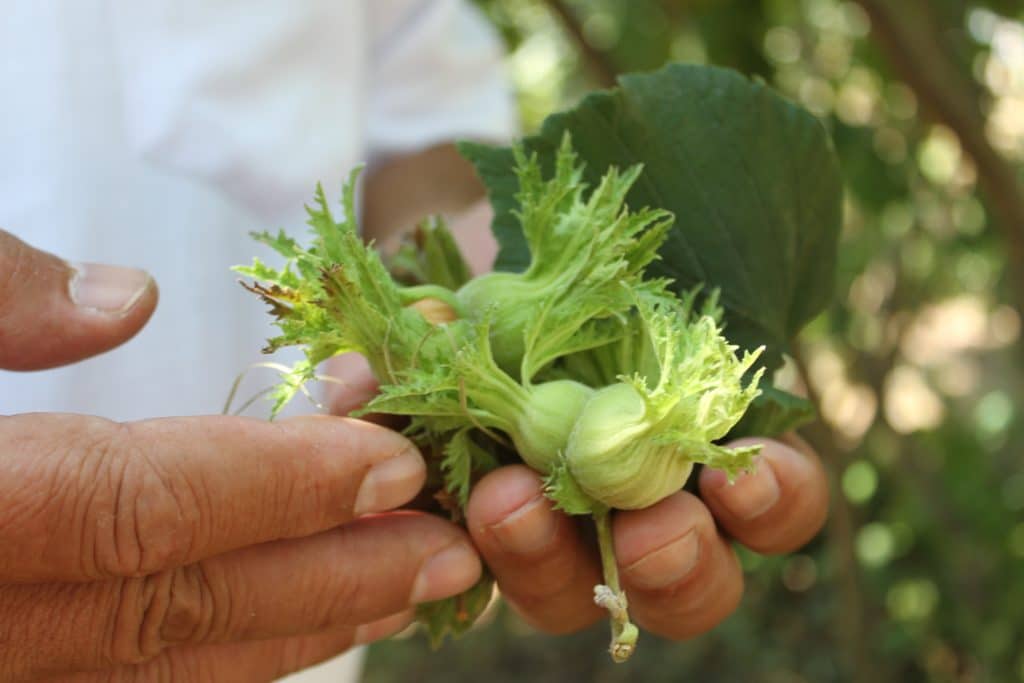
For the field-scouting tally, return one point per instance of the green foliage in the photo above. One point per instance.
(636, 440)
(774, 412)
(334, 296)
(565, 492)
(584, 256)
(462, 458)
(472, 383)
(431, 255)
(455, 616)
(751, 179)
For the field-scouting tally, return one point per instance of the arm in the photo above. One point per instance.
(403, 190)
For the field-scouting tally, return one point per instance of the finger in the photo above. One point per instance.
(355, 384)
(353, 387)
(367, 570)
(255, 662)
(264, 660)
(384, 628)
(537, 555)
(84, 498)
(471, 230)
(778, 507)
(680, 576)
(53, 313)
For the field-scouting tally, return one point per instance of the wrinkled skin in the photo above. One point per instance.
(192, 549)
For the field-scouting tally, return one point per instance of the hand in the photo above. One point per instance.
(680, 573)
(677, 566)
(206, 548)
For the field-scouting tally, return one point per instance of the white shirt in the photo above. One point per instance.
(157, 134)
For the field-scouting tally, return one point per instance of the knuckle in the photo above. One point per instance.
(187, 609)
(133, 638)
(154, 515)
(166, 609)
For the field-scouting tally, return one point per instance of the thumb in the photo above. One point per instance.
(53, 313)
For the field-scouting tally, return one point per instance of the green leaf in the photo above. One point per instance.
(561, 489)
(772, 413)
(336, 296)
(443, 263)
(463, 457)
(455, 615)
(261, 271)
(750, 177)
(430, 256)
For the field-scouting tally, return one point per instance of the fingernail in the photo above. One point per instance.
(751, 495)
(666, 565)
(390, 483)
(451, 571)
(529, 529)
(107, 289)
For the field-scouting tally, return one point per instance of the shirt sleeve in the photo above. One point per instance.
(435, 74)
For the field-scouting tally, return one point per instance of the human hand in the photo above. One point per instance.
(676, 562)
(206, 548)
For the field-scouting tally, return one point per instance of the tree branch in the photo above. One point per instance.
(597, 61)
(911, 37)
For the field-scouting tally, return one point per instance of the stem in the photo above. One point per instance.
(487, 385)
(610, 595)
(496, 392)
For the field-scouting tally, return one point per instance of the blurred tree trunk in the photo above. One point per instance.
(598, 63)
(914, 40)
(850, 621)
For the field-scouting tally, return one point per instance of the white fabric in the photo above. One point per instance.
(158, 133)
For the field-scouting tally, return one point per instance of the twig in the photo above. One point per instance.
(596, 60)
(909, 34)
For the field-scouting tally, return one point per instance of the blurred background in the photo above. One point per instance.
(916, 368)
